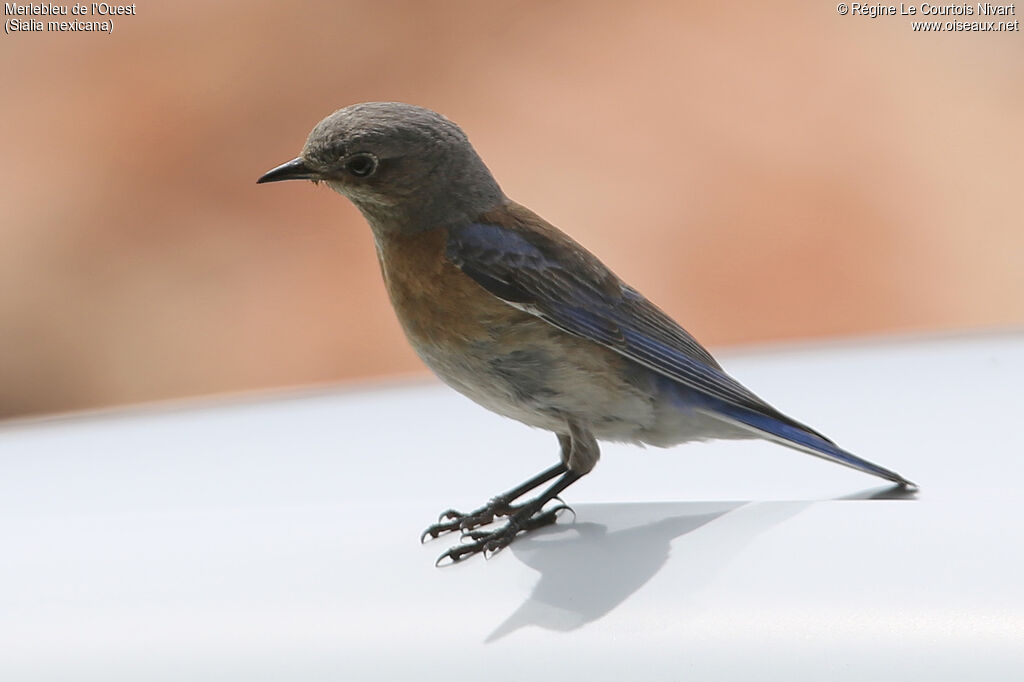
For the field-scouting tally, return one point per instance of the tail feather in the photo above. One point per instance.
(797, 436)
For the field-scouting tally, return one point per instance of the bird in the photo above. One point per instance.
(516, 315)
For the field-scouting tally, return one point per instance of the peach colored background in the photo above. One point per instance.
(762, 171)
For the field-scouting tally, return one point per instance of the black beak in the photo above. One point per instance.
(295, 169)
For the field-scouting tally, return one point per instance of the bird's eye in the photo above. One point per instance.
(361, 165)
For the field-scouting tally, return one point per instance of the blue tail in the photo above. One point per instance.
(788, 432)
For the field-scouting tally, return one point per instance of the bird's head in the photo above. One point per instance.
(405, 167)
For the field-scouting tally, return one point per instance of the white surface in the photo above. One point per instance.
(277, 539)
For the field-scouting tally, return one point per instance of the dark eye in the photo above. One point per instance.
(361, 165)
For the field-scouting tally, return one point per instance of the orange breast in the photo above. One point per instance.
(436, 303)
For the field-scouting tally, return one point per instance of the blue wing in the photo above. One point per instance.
(537, 268)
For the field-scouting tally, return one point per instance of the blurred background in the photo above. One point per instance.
(762, 172)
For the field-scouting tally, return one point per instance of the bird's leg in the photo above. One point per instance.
(579, 454)
(527, 516)
(499, 505)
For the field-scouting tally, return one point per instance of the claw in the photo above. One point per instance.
(564, 507)
(453, 520)
(451, 515)
(457, 554)
(436, 530)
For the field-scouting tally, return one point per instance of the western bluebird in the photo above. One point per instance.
(511, 312)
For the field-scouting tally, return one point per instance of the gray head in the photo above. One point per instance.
(406, 168)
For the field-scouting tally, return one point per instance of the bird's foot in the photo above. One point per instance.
(453, 520)
(524, 518)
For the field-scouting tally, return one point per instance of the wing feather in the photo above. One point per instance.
(552, 277)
